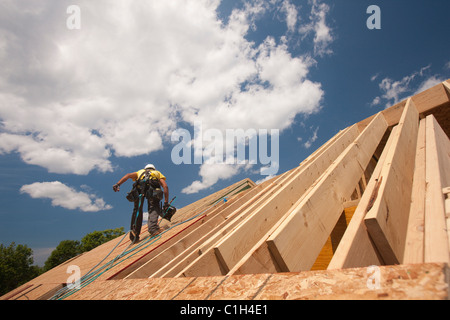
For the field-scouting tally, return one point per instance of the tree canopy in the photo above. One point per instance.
(16, 266)
(16, 261)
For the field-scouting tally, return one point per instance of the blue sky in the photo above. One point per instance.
(83, 104)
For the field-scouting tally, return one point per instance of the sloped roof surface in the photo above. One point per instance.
(374, 194)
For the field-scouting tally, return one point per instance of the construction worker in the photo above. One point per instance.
(148, 183)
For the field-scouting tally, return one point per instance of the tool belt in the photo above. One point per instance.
(133, 195)
(154, 193)
(150, 193)
(149, 188)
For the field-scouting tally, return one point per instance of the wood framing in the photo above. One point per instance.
(356, 248)
(234, 246)
(298, 241)
(391, 172)
(414, 246)
(259, 259)
(446, 84)
(205, 259)
(387, 220)
(199, 258)
(208, 259)
(437, 178)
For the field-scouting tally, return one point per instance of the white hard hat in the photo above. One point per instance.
(150, 166)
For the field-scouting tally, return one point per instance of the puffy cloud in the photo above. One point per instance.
(428, 83)
(64, 196)
(291, 14)
(311, 140)
(318, 27)
(395, 91)
(70, 99)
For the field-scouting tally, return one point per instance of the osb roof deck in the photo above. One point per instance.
(374, 194)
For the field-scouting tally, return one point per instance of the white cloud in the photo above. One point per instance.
(311, 140)
(428, 83)
(394, 91)
(318, 27)
(291, 14)
(64, 196)
(70, 99)
(376, 101)
(374, 77)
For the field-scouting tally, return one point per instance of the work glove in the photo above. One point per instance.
(116, 187)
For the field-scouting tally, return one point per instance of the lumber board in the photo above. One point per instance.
(431, 98)
(233, 247)
(447, 212)
(206, 262)
(415, 232)
(387, 220)
(187, 263)
(199, 251)
(356, 248)
(446, 85)
(232, 216)
(437, 177)
(299, 239)
(259, 259)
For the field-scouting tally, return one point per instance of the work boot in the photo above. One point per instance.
(133, 238)
(156, 232)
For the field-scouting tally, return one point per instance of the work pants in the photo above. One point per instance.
(154, 211)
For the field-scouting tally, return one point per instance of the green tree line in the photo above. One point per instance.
(16, 261)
